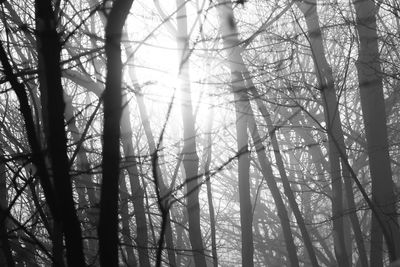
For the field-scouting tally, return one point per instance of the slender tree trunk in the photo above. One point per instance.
(136, 188)
(108, 222)
(84, 183)
(231, 43)
(281, 168)
(37, 156)
(152, 148)
(280, 205)
(49, 48)
(246, 216)
(137, 191)
(242, 108)
(332, 118)
(336, 143)
(320, 163)
(373, 108)
(190, 158)
(207, 161)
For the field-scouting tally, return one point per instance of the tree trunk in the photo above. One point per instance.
(49, 48)
(337, 147)
(84, 183)
(242, 108)
(207, 161)
(6, 257)
(136, 189)
(37, 156)
(246, 216)
(331, 119)
(270, 178)
(152, 148)
(373, 109)
(281, 168)
(108, 222)
(190, 158)
(231, 43)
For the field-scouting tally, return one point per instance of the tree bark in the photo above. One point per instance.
(6, 257)
(108, 222)
(49, 48)
(373, 109)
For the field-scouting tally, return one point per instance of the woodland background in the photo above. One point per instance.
(199, 133)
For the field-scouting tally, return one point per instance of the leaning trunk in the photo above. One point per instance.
(152, 149)
(337, 149)
(282, 172)
(236, 64)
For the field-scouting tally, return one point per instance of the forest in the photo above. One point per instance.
(200, 133)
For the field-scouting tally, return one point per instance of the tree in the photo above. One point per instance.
(190, 158)
(337, 148)
(108, 222)
(373, 108)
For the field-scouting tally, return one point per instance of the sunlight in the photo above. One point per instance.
(156, 63)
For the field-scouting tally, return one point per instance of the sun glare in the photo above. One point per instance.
(156, 63)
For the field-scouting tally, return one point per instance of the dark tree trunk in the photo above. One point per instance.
(108, 222)
(37, 156)
(6, 257)
(49, 48)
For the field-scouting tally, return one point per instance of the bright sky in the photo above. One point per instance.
(156, 59)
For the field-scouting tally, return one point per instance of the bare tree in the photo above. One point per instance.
(373, 108)
(108, 222)
(190, 158)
